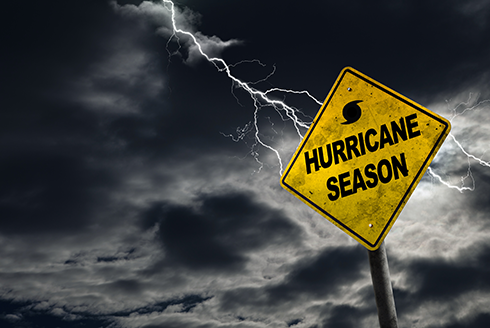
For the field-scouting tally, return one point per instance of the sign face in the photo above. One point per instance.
(363, 156)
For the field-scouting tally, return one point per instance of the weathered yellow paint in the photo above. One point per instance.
(366, 213)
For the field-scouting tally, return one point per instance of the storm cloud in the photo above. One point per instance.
(135, 192)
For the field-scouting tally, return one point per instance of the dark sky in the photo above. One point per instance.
(134, 191)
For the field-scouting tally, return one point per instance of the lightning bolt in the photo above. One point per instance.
(263, 99)
(260, 98)
(469, 175)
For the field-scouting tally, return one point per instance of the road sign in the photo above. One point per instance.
(363, 156)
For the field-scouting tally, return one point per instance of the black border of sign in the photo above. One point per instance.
(390, 92)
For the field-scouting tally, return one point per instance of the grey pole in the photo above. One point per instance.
(383, 292)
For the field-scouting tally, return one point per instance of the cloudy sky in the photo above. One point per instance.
(135, 190)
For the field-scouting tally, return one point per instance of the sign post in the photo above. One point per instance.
(383, 292)
(360, 161)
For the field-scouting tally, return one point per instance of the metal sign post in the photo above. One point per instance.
(383, 292)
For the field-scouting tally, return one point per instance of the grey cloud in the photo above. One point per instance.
(130, 287)
(185, 19)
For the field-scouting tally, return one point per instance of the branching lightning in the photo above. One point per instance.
(259, 98)
(262, 99)
(469, 175)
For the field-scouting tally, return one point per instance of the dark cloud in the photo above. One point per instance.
(52, 40)
(346, 316)
(187, 303)
(110, 259)
(294, 322)
(96, 124)
(49, 192)
(421, 48)
(56, 160)
(438, 280)
(17, 314)
(481, 320)
(175, 323)
(21, 314)
(316, 277)
(322, 275)
(480, 201)
(219, 230)
(446, 279)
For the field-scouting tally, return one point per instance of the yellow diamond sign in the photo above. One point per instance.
(363, 156)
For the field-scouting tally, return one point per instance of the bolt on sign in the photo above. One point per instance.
(363, 156)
